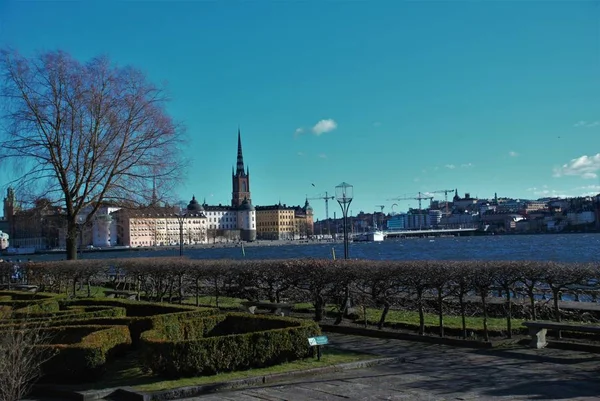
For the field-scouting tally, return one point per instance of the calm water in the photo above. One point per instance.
(555, 247)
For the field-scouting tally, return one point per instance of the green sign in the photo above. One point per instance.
(319, 340)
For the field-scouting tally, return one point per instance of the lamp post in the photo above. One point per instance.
(80, 222)
(180, 219)
(344, 194)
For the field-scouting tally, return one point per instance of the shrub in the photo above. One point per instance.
(225, 343)
(37, 302)
(83, 351)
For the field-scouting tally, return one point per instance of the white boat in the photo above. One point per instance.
(371, 236)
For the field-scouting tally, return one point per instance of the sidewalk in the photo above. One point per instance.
(437, 372)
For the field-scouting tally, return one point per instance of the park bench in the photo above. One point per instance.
(25, 287)
(278, 309)
(538, 330)
(120, 294)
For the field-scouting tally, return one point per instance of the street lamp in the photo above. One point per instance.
(80, 222)
(344, 194)
(180, 219)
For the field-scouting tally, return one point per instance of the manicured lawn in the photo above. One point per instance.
(431, 319)
(208, 300)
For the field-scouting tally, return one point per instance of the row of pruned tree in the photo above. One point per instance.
(451, 286)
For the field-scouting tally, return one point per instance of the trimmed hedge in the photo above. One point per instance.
(140, 315)
(225, 343)
(71, 313)
(134, 308)
(83, 351)
(37, 302)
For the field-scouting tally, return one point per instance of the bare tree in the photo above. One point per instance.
(84, 134)
(22, 354)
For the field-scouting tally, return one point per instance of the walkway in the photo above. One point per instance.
(437, 372)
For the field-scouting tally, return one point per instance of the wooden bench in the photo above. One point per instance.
(25, 287)
(538, 330)
(120, 294)
(278, 309)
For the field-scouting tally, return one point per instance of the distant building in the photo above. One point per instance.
(155, 226)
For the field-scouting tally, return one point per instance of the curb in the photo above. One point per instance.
(129, 394)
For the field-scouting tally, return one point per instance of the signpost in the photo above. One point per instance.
(317, 342)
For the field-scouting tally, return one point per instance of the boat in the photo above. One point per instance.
(371, 236)
(18, 251)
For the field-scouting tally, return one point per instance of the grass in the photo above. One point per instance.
(208, 300)
(431, 319)
(126, 371)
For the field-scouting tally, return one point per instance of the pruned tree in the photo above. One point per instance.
(22, 354)
(85, 133)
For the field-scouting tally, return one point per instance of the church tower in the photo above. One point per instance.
(240, 179)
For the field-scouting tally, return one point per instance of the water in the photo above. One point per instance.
(552, 247)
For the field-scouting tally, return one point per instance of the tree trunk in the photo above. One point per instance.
(531, 295)
(555, 299)
(319, 308)
(386, 309)
(180, 289)
(71, 240)
(421, 312)
(486, 334)
(441, 312)
(463, 312)
(508, 313)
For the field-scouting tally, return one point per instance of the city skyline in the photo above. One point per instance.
(394, 98)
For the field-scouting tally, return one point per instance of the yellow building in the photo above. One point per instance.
(282, 222)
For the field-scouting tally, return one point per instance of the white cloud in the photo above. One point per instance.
(300, 153)
(323, 156)
(584, 166)
(545, 192)
(512, 153)
(450, 166)
(298, 131)
(466, 165)
(586, 124)
(324, 126)
(376, 124)
(416, 179)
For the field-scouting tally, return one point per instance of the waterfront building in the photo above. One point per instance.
(397, 222)
(435, 217)
(275, 222)
(155, 226)
(160, 226)
(462, 204)
(237, 221)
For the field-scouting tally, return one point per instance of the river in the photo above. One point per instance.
(553, 247)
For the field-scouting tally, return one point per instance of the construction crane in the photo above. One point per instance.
(380, 222)
(419, 197)
(445, 192)
(327, 198)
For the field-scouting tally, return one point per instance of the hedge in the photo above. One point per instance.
(134, 308)
(37, 302)
(202, 346)
(64, 316)
(83, 351)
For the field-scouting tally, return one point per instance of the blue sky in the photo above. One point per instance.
(393, 97)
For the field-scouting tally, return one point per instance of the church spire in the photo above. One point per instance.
(240, 156)
(154, 201)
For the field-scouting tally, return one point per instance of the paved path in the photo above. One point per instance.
(437, 372)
